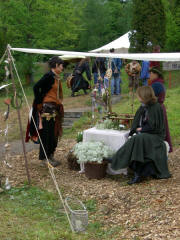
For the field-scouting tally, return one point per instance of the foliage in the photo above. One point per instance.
(109, 124)
(37, 24)
(92, 152)
(95, 25)
(148, 25)
(102, 21)
(172, 26)
(79, 137)
(121, 14)
(84, 25)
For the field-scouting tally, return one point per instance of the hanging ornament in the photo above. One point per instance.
(6, 114)
(19, 98)
(7, 72)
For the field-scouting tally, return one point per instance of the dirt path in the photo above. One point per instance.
(16, 148)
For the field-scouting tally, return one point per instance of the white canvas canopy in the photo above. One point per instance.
(121, 43)
(163, 57)
(70, 57)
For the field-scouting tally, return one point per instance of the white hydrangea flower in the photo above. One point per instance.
(92, 151)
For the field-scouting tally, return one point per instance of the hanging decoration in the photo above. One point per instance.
(5, 131)
(16, 100)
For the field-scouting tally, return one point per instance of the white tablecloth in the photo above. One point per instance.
(112, 138)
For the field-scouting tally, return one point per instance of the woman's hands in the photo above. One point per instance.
(138, 129)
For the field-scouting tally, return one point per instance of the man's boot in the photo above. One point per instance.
(53, 162)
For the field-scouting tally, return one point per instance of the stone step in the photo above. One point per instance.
(116, 99)
(68, 121)
(70, 118)
(73, 114)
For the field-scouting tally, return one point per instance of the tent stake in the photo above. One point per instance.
(18, 113)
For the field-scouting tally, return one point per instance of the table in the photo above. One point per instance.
(112, 138)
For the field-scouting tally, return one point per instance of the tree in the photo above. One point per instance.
(102, 21)
(37, 24)
(94, 25)
(148, 25)
(172, 25)
(120, 12)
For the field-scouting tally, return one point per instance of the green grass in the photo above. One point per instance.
(30, 213)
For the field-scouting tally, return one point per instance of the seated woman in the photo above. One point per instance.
(145, 152)
(78, 81)
(157, 83)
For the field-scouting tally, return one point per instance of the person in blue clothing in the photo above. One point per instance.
(144, 75)
(116, 81)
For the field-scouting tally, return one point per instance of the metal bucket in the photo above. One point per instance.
(78, 214)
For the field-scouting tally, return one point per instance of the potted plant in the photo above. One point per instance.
(93, 155)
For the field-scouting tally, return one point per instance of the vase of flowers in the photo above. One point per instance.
(92, 154)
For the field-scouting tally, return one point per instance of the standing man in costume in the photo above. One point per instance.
(48, 111)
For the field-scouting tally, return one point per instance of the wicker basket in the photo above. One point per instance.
(95, 170)
(72, 161)
(78, 214)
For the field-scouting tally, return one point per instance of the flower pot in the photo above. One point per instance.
(72, 161)
(95, 170)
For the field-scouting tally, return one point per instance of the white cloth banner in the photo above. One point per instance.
(164, 57)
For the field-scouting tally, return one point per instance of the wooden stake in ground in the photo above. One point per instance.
(18, 113)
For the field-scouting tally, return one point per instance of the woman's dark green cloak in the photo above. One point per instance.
(145, 147)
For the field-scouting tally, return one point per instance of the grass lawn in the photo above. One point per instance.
(30, 213)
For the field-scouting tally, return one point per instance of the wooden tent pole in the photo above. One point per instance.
(18, 113)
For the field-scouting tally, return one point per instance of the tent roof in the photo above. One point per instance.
(121, 42)
(164, 57)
